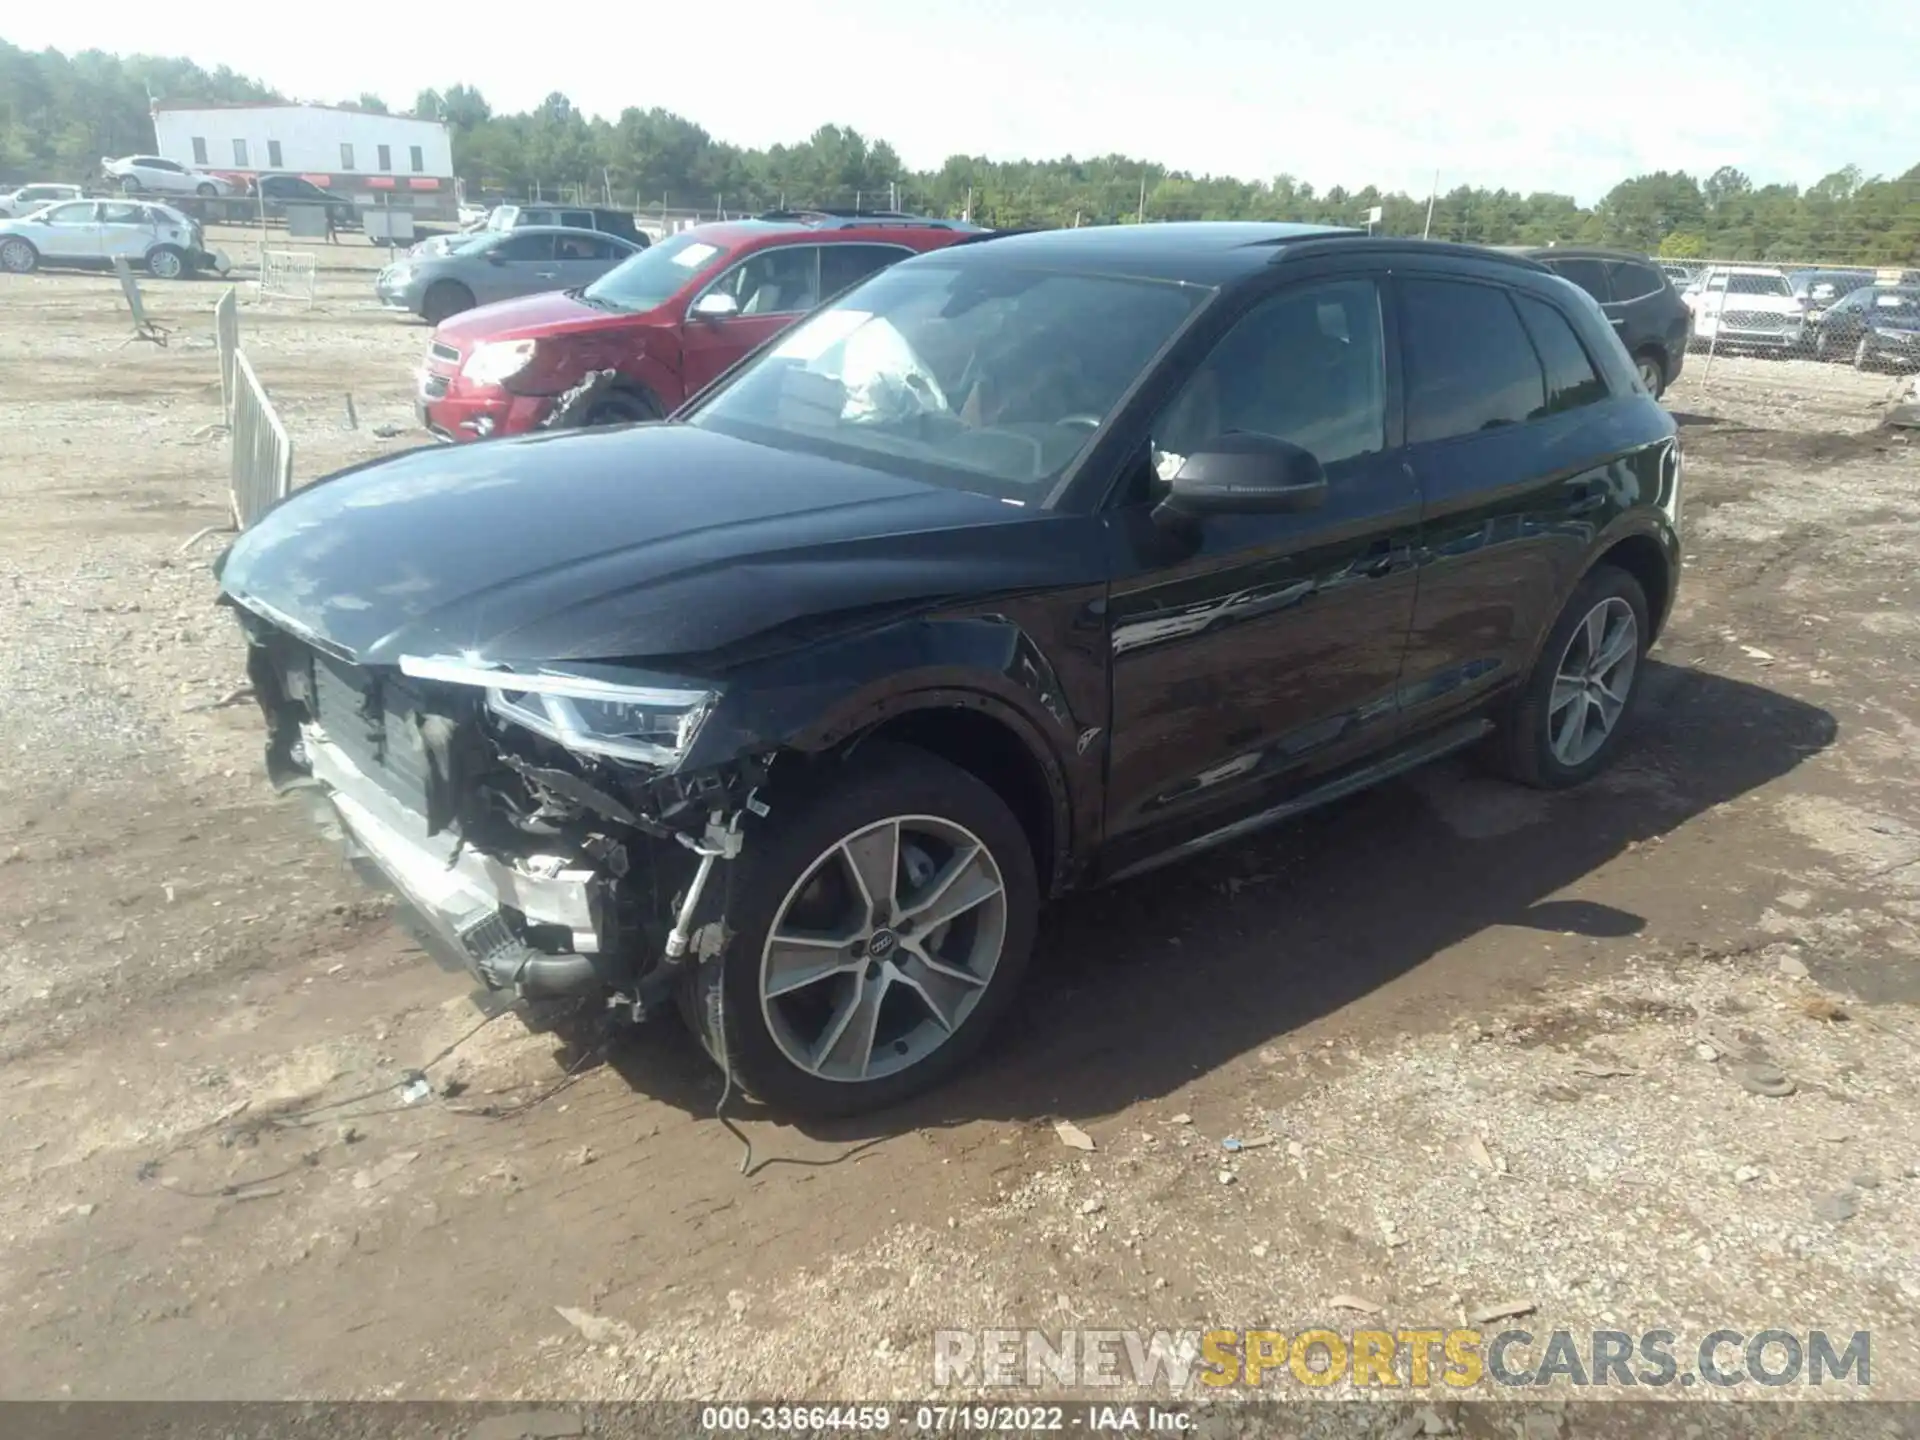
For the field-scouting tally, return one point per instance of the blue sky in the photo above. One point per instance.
(1560, 98)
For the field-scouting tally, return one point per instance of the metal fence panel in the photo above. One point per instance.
(262, 471)
(226, 339)
(287, 275)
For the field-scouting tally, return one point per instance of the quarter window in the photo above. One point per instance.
(1306, 366)
(1571, 378)
(1470, 367)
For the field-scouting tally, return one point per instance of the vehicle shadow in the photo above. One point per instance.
(1137, 988)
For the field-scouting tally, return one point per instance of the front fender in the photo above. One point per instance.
(822, 696)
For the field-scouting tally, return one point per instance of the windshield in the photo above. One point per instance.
(654, 275)
(1758, 285)
(985, 378)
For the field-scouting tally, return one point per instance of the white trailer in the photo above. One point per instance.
(384, 161)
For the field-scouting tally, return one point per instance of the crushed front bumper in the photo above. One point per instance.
(460, 896)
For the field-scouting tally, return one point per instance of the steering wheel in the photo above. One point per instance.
(1092, 422)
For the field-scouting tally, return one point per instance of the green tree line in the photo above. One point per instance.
(60, 113)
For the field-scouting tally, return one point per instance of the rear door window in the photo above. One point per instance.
(1589, 275)
(844, 266)
(1470, 366)
(1633, 281)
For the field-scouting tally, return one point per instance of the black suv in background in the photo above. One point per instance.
(1639, 301)
(1031, 563)
(277, 192)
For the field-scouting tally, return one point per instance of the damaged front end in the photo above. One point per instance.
(542, 824)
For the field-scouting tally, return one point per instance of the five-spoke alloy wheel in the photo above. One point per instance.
(1568, 718)
(880, 919)
(883, 948)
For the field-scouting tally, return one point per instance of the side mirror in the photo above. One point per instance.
(715, 305)
(1244, 474)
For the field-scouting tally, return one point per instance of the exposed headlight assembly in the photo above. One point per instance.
(494, 361)
(649, 724)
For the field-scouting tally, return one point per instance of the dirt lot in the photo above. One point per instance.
(1493, 1038)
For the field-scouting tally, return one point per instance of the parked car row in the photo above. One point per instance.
(1859, 316)
(1031, 562)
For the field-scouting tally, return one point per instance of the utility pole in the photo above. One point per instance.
(1432, 195)
(1141, 217)
(967, 214)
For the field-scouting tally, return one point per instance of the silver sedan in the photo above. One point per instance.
(498, 265)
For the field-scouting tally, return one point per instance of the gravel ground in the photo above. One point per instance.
(1494, 1042)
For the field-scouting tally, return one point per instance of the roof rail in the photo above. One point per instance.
(1341, 239)
(834, 219)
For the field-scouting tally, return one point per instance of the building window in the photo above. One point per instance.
(386, 159)
(419, 160)
(273, 153)
(240, 153)
(346, 156)
(199, 149)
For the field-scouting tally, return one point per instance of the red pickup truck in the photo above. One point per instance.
(668, 321)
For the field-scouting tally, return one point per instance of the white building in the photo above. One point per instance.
(377, 159)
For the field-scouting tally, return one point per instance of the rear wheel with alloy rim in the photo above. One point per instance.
(1568, 720)
(1653, 374)
(879, 925)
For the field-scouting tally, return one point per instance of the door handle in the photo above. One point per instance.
(544, 274)
(1620, 322)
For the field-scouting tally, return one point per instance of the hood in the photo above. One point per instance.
(549, 313)
(650, 541)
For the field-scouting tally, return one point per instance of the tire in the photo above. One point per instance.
(206, 191)
(17, 256)
(167, 262)
(444, 299)
(130, 185)
(1528, 748)
(792, 865)
(1863, 356)
(1653, 372)
(623, 407)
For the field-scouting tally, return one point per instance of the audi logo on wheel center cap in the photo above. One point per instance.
(881, 944)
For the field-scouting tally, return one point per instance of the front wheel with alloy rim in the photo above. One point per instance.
(879, 922)
(1653, 374)
(1567, 722)
(17, 257)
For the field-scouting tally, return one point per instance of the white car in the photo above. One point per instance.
(94, 232)
(137, 173)
(1746, 307)
(29, 198)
